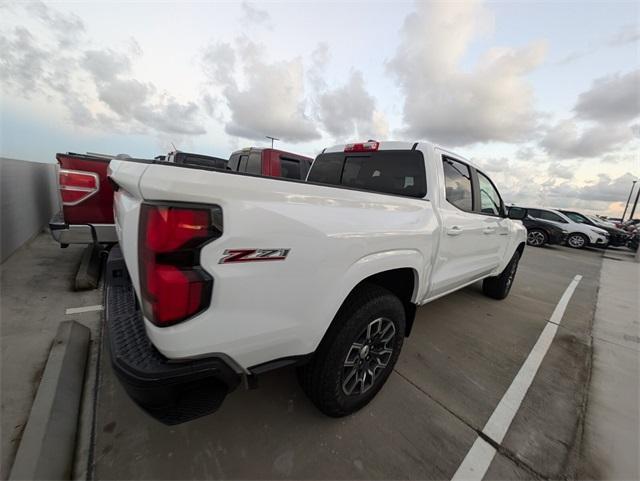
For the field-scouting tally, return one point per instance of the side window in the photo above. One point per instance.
(289, 168)
(552, 216)
(535, 213)
(242, 164)
(576, 218)
(254, 163)
(457, 179)
(234, 160)
(489, 198)
(327, 169)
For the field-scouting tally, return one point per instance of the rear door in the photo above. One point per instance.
(467, 251)
(491, 207)
(549, 216)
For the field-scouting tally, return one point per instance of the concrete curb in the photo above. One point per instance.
(88, 275)
(48, 442)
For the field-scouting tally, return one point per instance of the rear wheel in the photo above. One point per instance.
(537, 238)
(498, 287)
(358, 352)
(577, 240)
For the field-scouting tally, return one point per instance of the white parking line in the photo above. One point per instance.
(475, 464)
(78, 310)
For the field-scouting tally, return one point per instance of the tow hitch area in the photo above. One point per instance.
(171, 392)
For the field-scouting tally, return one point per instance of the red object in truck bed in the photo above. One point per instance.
(98, 208)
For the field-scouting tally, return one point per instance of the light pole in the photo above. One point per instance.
(628, 200)
(635, 204)
(272, 139)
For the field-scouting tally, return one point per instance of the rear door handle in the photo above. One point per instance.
(489, 230)
(454, 230)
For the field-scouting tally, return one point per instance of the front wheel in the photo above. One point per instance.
(577, 240)
(498, 287)
(357, 354)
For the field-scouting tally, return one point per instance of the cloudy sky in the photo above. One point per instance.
(543, 95)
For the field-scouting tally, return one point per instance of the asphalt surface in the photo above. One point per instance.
(36, 286)
(463, 354)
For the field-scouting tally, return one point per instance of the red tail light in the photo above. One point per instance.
(77, 186)
(363, 147)
(174, 286)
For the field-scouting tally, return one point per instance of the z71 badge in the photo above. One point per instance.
(253, 255)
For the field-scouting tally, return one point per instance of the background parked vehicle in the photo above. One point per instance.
(186, 158)
(580, 235)
(541, 233)
(617, 237)
(270, 163)
(325, 274)
(87, 196)
(87, 200)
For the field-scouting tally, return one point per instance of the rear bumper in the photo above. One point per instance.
(81, 233)
(172, 392)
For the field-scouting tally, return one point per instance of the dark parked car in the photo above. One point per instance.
(617, 237)
(540, 233)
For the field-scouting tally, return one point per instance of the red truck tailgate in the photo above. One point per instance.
(96, 208)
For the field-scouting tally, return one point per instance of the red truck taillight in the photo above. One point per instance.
(370, 146)
(173, 285)
(77, 186)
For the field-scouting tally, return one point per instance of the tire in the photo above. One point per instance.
(577, 240)
(338, 379)
(498, 287)
(537, 238)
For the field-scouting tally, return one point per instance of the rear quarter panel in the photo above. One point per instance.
(266, 310)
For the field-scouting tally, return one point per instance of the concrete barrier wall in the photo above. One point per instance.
(28, 199)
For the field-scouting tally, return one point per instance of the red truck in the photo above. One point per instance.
(87, 200)
(87, 194)
(270, 163)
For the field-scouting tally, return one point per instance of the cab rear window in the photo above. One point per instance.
(397, 172)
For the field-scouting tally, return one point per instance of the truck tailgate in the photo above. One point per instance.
(97, 208)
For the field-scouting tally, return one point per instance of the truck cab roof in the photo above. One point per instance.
(398, 145)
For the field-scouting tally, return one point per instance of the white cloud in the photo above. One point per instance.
(567, 140)
(602, 119)
(627, 34)
(254, 15)
(96, 86)
(615, 98)
(448, 104)
(561, 170)
(134, 101)
(270, 99)
(66, 27)
(350, 110)
(604, 189)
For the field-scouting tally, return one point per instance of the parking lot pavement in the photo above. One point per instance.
(462, 356)
(611, 438)
(36, 291)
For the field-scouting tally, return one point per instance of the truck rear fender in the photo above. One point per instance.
(397, 271)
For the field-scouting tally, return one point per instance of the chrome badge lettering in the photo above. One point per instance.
(253, 255)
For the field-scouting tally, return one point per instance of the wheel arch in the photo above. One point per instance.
(401, 281)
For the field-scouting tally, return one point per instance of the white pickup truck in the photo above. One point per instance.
(221, 276)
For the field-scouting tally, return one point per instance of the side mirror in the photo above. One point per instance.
(517, 213)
